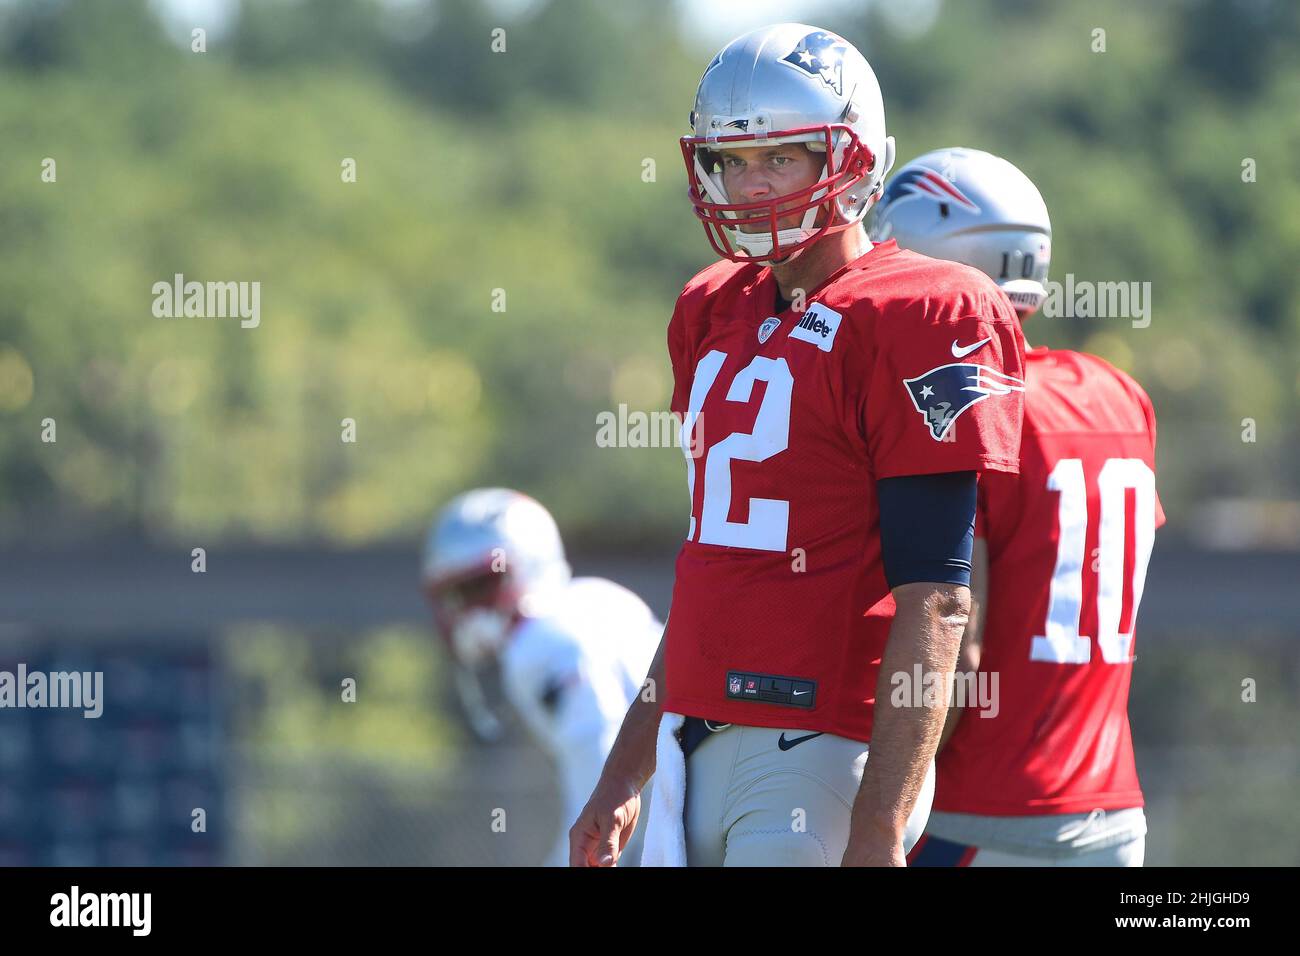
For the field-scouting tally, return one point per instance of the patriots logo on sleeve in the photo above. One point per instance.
(943, 393)
(822, 55)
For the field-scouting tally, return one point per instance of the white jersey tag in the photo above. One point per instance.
(818, 326)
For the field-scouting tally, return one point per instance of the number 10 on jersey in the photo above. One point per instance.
(1061, 641)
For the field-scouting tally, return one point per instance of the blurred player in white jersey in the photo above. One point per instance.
(573, 652)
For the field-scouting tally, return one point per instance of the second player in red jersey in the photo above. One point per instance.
(1068, 544)
(1039, 768)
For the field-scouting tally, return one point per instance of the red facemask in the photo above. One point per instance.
(452, 598)
(719, 219)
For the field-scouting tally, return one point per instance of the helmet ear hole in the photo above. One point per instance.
(943, 210)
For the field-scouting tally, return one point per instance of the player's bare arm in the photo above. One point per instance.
(927, 631)
(968, 658)
(610, 817)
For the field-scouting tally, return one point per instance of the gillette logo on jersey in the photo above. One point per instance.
(818, 326)
(943, 393)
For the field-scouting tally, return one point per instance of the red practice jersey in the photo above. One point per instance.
(898, 365)
(1068, 544)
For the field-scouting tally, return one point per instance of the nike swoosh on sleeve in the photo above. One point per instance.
(961, 351)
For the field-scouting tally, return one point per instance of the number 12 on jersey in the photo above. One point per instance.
(769, 518)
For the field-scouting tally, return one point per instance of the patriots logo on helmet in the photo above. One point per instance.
(920, 182)
(821, 54)
(943, 393)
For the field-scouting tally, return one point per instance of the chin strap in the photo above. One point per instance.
(790, 257)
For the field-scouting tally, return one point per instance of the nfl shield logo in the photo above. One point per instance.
(734, 685)
(767, 328)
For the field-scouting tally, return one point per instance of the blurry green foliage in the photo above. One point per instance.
(1218, 765)
(523, 171)
(314, 772)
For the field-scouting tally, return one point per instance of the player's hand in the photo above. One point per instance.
(605, 824)
(874, 849)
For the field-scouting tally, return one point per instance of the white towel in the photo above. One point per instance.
(665, 836)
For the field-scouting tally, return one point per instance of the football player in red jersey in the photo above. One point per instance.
(838, 401)
(1038, 770)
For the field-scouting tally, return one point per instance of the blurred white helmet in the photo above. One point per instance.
(789, 83)
(491, 555)
(976, 208)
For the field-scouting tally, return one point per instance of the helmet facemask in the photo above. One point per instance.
(848, 184)
(474, 613)
(1026, 295)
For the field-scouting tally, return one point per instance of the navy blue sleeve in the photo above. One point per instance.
(927, 527)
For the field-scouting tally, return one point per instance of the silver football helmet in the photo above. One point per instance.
(976, 208)
(789, 83)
